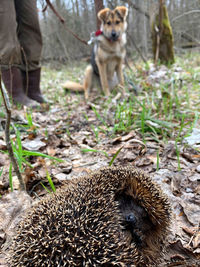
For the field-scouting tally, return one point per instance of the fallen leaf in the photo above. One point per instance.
(129, 136)
(196, 241)
(191, 211)
(51, 151)
(33, 145)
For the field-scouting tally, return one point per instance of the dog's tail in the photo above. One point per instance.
(73, 86)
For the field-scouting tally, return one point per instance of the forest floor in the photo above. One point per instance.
(154, 126)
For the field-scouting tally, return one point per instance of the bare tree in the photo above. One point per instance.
(162, 36)
(98, 7)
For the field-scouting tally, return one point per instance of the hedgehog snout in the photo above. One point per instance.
(131, 218)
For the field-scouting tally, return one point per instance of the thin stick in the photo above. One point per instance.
(137, 48)
(62, 20)
(7, 136)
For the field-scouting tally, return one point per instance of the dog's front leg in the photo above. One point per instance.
(103, 76)
(119, 71)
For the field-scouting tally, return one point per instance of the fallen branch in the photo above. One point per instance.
(7, 136)
(193, 42)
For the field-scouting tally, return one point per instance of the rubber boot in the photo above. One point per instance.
(31, 82)
(12, 79)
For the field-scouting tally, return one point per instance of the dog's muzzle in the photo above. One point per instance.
(114, 36)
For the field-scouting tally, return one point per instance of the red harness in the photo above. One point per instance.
(99, 32)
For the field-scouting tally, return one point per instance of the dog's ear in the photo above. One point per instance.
(123, 11)
(102, 15)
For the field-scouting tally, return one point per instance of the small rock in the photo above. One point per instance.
(194, 138)
(188, 190)
(198, 168)
(61, 176)
(2, 145)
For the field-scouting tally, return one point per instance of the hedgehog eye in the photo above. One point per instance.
(117, 22)
(109, 22)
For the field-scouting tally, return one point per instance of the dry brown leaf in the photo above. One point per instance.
(51, 151)
(117, 140)
(196, 241)
(129, 136)
(191, 211)
(12, 208)
(190, 231)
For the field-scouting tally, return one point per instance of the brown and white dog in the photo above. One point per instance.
(108, 53)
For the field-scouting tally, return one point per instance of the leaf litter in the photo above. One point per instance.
(87, 136)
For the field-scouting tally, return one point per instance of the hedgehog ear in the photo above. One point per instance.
(102, 15)
(122, 10)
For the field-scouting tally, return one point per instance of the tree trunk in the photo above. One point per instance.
(77, 9)
(162, 37)
(98, 7)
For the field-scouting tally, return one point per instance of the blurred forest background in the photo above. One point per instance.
(80, 17)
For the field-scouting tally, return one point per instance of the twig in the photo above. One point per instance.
(137, 48)
(146, 14)
(7, 136)
(186, 13)
(62, 20)
(157, 44)
(55, 11)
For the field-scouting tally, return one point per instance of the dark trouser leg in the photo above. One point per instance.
(29, 34)
(30, 38)
(10, 54)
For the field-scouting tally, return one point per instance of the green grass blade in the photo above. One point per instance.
(50, 182)
(39, 154)
(85, 150)
(115, 155)
(1, 171)
(45, 188)
(19, 143)
(29, 119)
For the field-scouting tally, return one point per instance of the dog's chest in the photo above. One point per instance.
(113, 52)
(111, 66)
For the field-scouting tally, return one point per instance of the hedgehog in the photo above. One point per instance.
(115, 216)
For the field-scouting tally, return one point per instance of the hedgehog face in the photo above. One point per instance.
(135, 220)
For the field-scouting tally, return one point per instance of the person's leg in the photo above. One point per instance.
(29, 34)
(30, 38)
(12, 79)
(10, 54)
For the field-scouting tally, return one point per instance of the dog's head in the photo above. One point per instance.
(113, 22)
